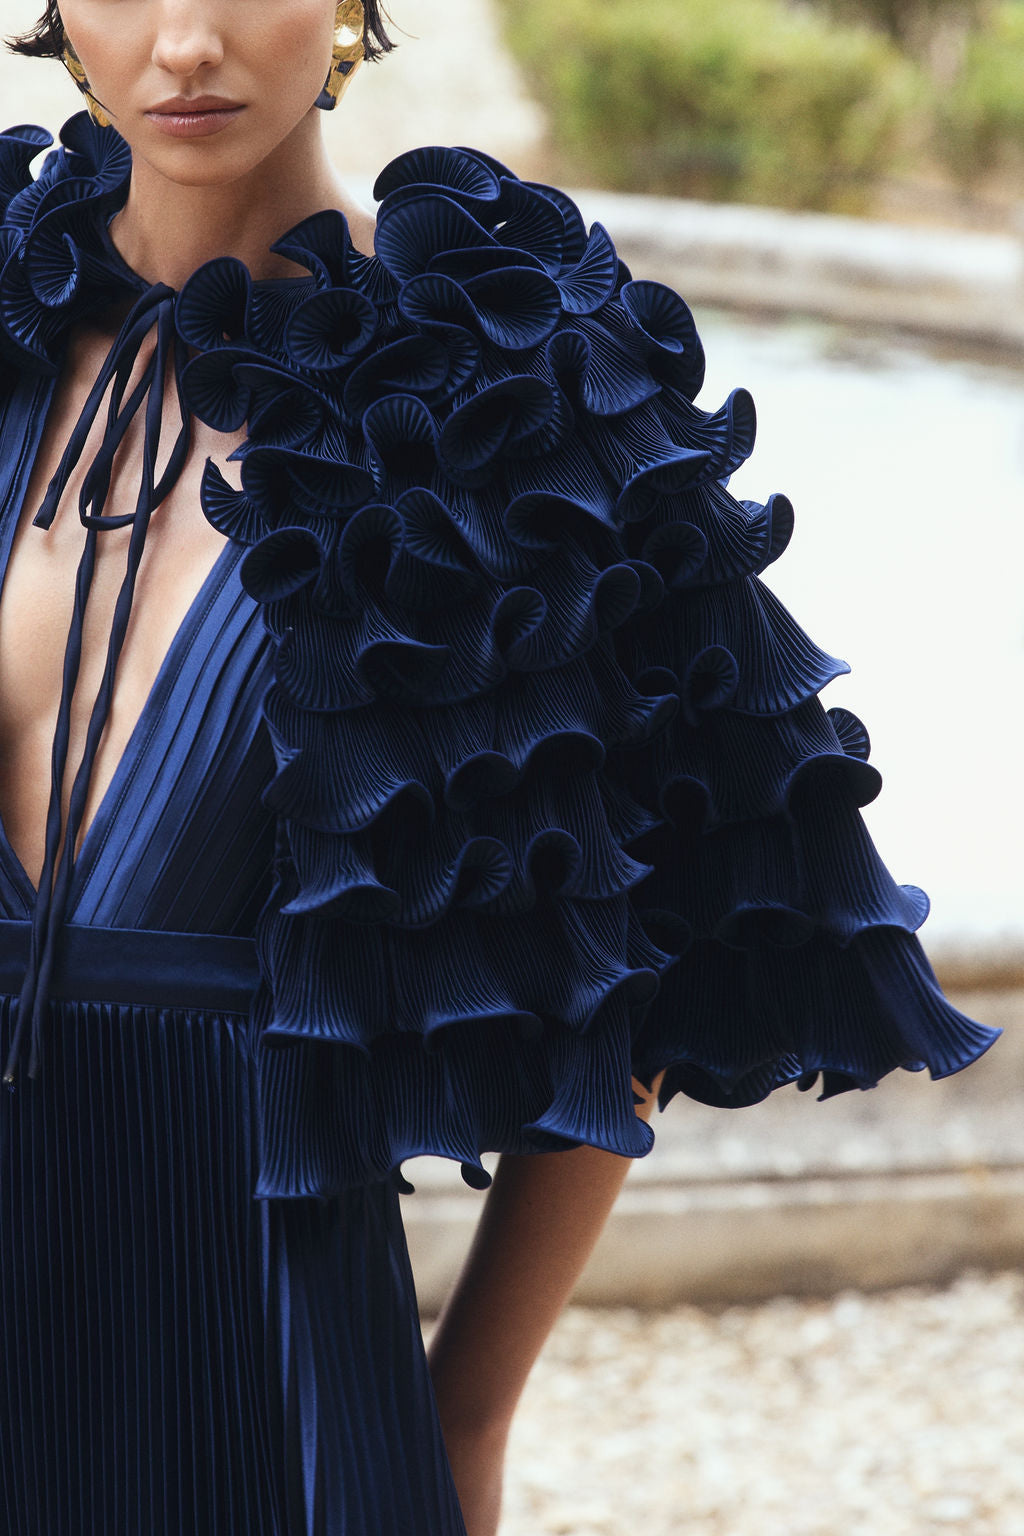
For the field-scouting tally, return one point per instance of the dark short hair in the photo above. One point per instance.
(46, 38)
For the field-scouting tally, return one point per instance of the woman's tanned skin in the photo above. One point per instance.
(542, 1218)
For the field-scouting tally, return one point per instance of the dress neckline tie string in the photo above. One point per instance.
(155, 309)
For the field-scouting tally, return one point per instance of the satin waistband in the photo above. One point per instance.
(138, 966)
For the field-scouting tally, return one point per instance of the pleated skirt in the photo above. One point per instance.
(177, 1356)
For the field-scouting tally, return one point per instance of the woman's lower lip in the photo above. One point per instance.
(194, 125)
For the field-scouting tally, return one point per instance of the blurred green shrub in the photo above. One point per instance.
(747, 100)
(798, 103)
(980, 118)
(913, 23)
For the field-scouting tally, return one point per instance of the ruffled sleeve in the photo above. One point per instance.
(557, 800)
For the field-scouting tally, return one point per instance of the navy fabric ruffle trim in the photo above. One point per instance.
(556, 797)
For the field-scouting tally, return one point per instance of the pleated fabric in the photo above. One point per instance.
(178, 1357)
(135, 1379)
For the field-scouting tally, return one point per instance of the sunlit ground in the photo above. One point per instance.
(888, 1415)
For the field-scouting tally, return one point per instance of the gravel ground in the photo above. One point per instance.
(897, 1414)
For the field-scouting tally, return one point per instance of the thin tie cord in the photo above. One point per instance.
(155, 307)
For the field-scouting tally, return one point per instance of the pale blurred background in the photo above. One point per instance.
(737, 1404)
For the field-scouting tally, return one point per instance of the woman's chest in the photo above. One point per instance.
(65, 589)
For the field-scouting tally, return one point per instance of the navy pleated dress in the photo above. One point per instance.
(482, 772)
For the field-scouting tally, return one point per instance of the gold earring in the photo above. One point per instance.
(73, 64)
(349, 52)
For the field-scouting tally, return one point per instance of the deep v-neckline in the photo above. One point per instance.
(130, 760)
(132, 757)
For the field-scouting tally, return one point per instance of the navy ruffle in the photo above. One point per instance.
(557, 799)
(57, 265)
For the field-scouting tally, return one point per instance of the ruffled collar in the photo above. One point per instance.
(473, 271)
(456, 216)
(58, 262)
(471, 265)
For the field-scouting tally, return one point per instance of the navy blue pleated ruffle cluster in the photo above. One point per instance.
(556, 796)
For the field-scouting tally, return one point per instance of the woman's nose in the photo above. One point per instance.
(188, 37)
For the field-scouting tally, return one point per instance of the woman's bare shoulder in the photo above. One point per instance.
(362, 226)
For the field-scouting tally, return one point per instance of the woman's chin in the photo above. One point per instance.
(232, 152)
(196, 163)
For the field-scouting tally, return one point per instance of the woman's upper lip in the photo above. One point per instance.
(185, 106)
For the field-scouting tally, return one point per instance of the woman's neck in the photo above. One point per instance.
(166, 230)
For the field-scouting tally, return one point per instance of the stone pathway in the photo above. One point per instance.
(891, 1415)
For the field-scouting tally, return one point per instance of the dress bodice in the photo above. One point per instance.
(181, 840)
